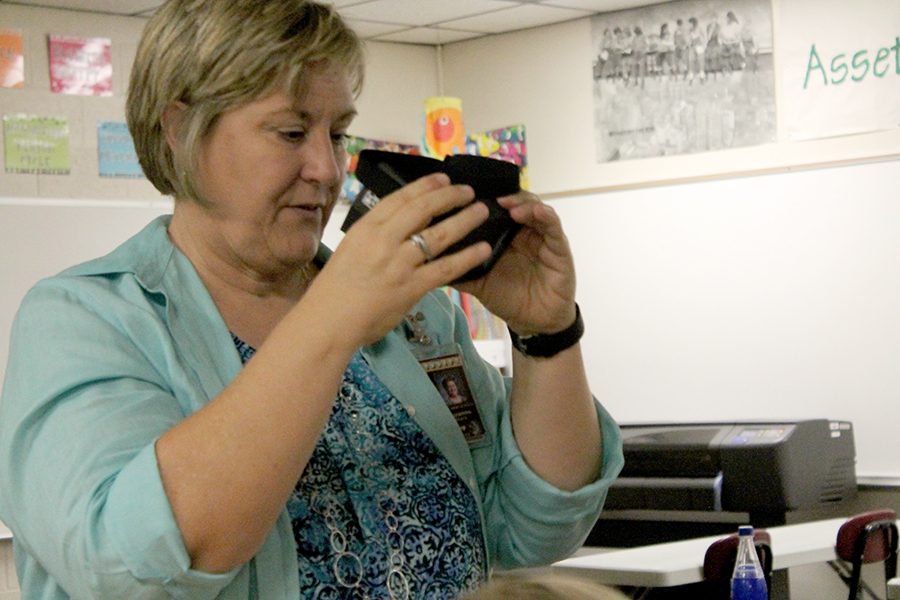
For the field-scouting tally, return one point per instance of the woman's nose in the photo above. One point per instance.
(321, 159)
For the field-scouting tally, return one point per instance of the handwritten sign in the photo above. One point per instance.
(116, 156)
(34, 144)
(840, 67)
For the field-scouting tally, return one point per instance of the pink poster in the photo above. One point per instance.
(80, 66)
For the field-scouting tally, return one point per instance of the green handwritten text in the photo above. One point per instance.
(856, 66)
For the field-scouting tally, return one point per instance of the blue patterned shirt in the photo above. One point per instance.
(378, 511)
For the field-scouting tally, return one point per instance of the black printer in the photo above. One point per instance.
(757, 472)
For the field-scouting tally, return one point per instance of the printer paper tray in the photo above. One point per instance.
(666, 493)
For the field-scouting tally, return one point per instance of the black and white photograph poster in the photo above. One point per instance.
(683, 77)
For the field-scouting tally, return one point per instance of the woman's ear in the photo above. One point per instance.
(171, 121)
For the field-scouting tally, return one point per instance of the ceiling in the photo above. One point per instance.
(431, 22)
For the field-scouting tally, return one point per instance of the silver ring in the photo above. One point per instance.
(420, 243)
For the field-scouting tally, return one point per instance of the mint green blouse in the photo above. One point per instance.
(107, 356)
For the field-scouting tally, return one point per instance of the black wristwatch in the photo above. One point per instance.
(547, 345)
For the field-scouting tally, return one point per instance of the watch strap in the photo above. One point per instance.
(547, 345)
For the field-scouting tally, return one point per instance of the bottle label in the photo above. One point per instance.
(749, 589)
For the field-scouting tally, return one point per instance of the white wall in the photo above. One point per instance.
(398, 79)
(763, 298)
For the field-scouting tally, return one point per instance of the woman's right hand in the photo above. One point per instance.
(255, 437)
(378, 273)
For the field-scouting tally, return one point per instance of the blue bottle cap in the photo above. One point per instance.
(745, 530)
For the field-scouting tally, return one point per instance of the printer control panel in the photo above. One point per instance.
(745, 435)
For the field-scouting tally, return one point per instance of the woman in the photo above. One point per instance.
(666, 46)
(220, 409)
(703, 48)
(731, 52)
(451, 391)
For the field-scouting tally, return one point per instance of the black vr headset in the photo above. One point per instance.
(384, 172)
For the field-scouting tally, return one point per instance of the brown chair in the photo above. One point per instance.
(718, 563)
(865, 538)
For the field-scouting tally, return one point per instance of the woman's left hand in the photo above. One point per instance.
(532, 285)
(532, 288)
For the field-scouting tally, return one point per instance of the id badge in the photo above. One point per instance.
(444, 366)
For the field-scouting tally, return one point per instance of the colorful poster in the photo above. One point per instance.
(840, 66)
(506, 143)
(683, 77)
(483, 325)
(12, 59)
(80, 66)
(355, 145)
(116, 156)
(34, 144)
(444, 132)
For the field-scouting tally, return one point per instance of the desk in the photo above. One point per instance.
(680, 563)
(9, 584)
(893, 589)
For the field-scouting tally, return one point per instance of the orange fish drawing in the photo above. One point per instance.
(444, 131)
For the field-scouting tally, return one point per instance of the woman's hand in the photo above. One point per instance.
(378, 273)
(532, 288)
(532, 285)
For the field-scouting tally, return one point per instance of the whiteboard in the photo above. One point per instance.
(764, 298)
(43, 236)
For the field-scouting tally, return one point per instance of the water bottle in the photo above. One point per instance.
(748, 582)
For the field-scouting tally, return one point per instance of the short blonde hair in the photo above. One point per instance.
(215, 55)
(543, 586)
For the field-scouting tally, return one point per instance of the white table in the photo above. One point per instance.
(9, 585)
(893, 589)
(680, 563)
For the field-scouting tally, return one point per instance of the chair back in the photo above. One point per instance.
(718, 563)
(868, 537)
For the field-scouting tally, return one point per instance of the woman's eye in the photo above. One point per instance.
(293, 135)
(340, 139)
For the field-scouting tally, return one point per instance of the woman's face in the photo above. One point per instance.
(271, 172)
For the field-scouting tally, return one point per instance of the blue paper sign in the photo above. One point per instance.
(115, 151)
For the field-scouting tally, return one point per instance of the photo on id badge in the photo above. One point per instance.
(449, 377)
